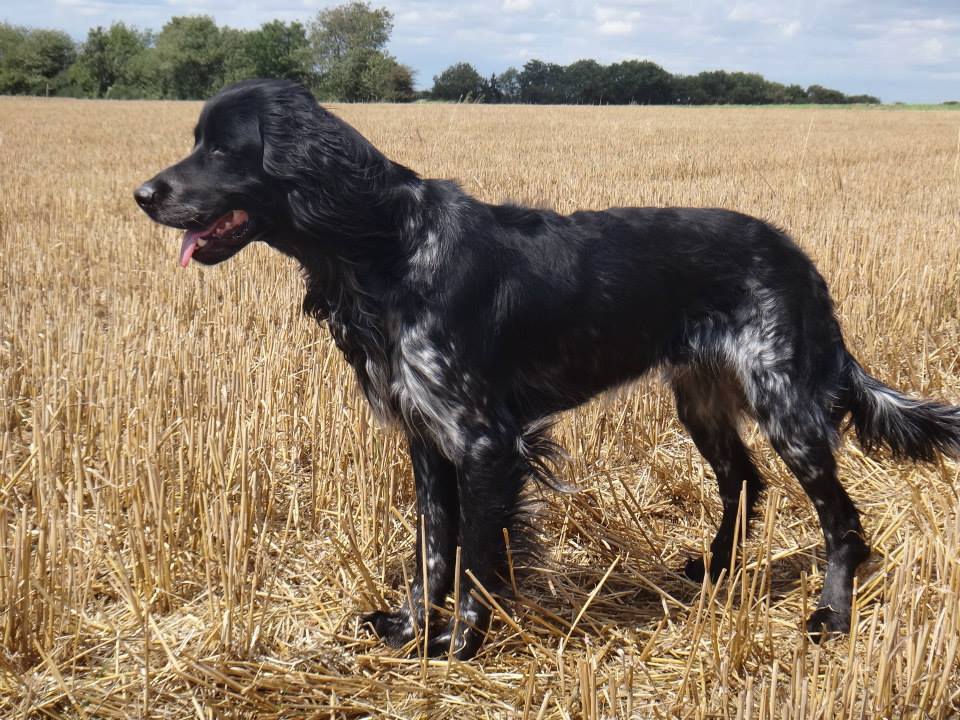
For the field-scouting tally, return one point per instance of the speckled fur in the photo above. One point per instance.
(471, 325)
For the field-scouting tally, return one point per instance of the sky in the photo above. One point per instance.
(898, 51)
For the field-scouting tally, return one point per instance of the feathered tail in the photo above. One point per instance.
(911, 428)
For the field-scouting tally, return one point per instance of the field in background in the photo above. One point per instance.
(196, 506)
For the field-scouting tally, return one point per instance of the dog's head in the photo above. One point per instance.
(267, 163)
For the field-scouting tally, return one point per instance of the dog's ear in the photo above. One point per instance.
(292, 131)
(300, 136)
(333, 175)
(301, 155)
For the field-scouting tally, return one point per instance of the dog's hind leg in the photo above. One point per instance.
(709, 403)
(797, 421)
(437, 520)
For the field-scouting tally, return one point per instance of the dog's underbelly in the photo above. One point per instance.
(572, 380)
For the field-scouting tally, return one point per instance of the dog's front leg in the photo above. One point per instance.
(490, 479)
(437, 522)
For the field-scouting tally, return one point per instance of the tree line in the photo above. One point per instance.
(340, 54)
(629, 82)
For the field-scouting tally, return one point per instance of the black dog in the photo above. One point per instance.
(469, 324)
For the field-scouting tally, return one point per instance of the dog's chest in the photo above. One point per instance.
(350, 340)
(365, 347)
(404, 370)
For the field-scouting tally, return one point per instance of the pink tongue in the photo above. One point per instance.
(187, 247)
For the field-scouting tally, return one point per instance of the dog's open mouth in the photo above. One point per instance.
(208, 245)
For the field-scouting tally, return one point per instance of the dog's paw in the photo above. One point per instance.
(394, 628)
(825, 622)
(695, 569)
(462, 644)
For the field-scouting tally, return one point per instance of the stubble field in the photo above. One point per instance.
(196, 505)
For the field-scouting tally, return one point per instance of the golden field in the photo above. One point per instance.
(196, 505)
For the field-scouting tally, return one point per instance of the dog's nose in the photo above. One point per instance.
(146, 195)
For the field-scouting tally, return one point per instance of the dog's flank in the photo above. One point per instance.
(471, 325)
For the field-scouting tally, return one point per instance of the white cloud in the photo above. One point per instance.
(786, 18)
(517, 5)
(913, 44)
(615, 27)
(603, 13)
(949, 75)
(747, 12)
(924, 25)
(791, 29)
(931, 50)
(907, 26)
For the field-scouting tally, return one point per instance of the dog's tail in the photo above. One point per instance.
(911, 428)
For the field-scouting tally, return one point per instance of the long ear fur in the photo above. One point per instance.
(338, 183)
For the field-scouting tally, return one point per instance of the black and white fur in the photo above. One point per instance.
(469, 325)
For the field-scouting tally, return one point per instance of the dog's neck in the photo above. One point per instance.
(348, 276)
(406, 228)
(348, 296)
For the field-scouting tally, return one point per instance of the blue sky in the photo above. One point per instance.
(899, 51)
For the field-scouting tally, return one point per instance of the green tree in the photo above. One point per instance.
(508, 84)
(490, 90)
(365, 75)
(190, 57)
(541, 82)
(278, 50)
(143, 78)
(716, 86)
(688, 90)
(12, 78)
(638, 81)
(585, 81)
(34, 61)
(386, 80)
(237, 65)
(106, 56)
(348, 58)
(795, 94)
(11, 38)
(458, 82)
(826, 96)
(748, 89)
(337, 31)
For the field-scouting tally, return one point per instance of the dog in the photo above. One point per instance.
(470, 325)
